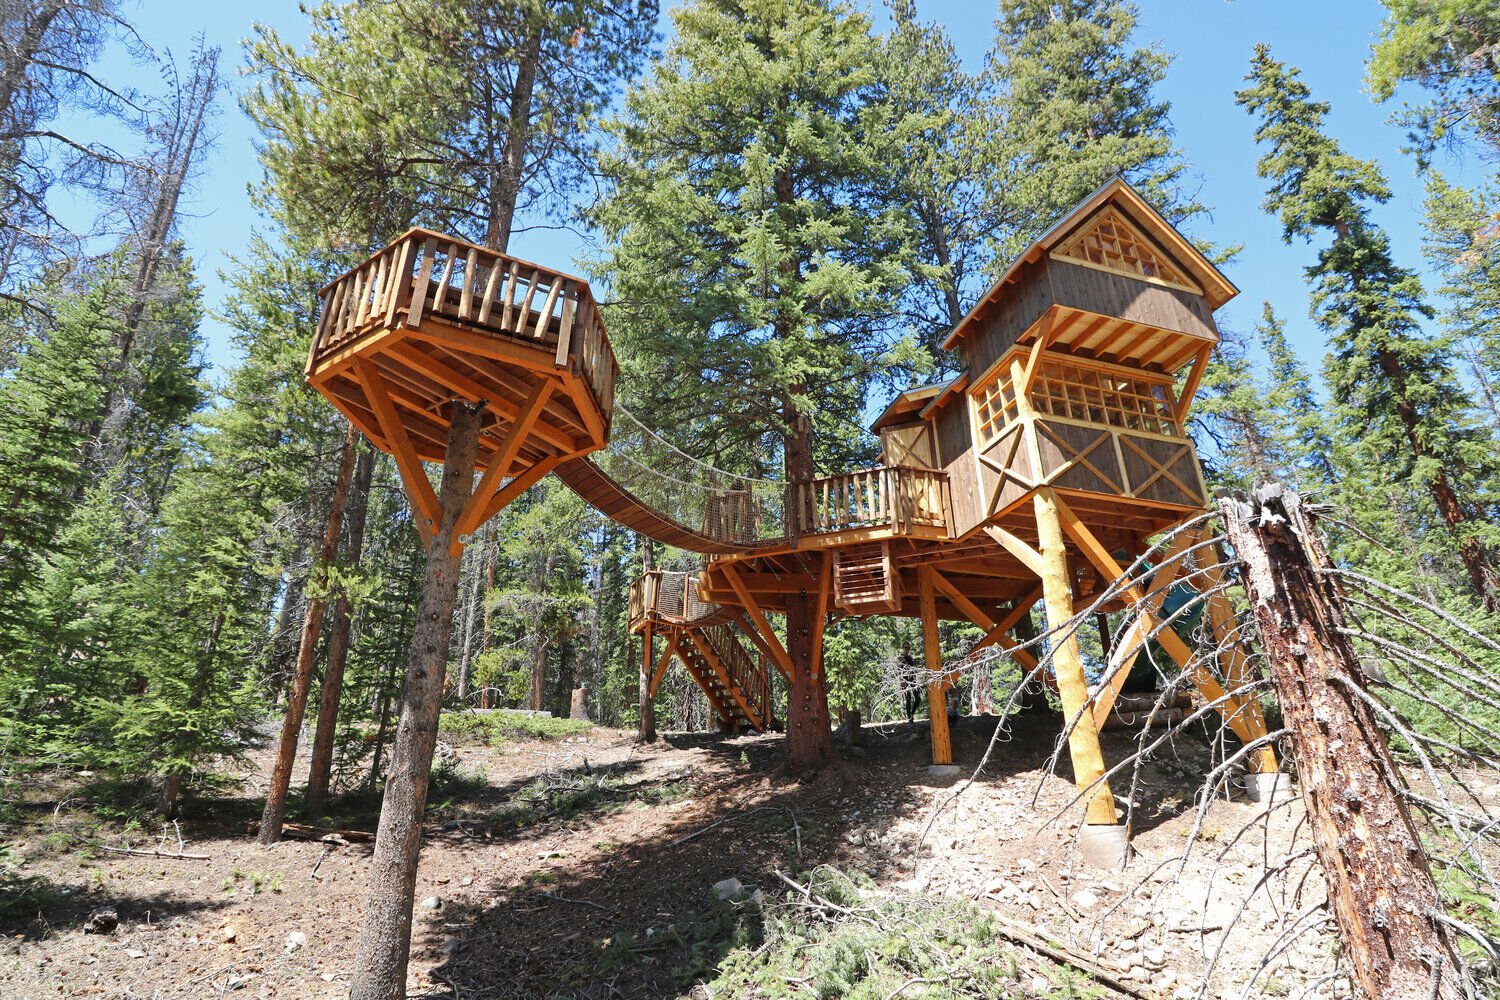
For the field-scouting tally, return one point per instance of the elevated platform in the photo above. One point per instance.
(431, 320)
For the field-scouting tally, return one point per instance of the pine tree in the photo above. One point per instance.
(1451, 49)
(1462, 242)
(758, 243)
(1395, 387)
(1072, 105)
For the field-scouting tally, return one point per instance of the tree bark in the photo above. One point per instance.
(1380, 884)
(809, 732)
(385, 938)
(321, 768)
(312, 625)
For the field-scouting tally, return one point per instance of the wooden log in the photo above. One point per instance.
(1067, 663)
(1380, 883)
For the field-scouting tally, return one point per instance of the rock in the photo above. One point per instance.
(1166, 979)
(294, 941)
(1155, 957)
(728, 888)
(1128, 945)
(451, 945)
(1085, 899)
(432, 903)
(327, 977)
(1040, 986)
(101, 920)
(227, 933)
(855, 752)
(134, 953)
(944, 772)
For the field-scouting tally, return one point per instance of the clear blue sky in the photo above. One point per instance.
(1211, 40)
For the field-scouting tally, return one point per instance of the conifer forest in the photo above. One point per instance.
(747, 498)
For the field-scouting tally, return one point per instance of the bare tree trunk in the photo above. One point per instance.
(809, 735)
(312, 625)
(321, 768)
(1380, 884)
(646, 728)
(471, 611)
(385, 938)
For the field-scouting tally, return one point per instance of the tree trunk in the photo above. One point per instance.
(809, 736)
(471, 613)
(1380, 884)
(385, 938)
(321, 768)
(646, 728)
(312, 625)
(507, 188)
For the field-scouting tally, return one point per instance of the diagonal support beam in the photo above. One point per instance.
(660, 670)
(778, 651)
(753, 634)
(1234, 708)
(424, 502)
(994, 634)
(479, 501)
(1028, 556)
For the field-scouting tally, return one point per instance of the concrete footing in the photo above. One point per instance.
(1268, 787)
(944, 772)
(1105, 847)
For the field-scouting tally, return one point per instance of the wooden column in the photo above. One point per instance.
(937, 688)
(646, 729)
(1067, 663)
(385, 938)
(1380, 884)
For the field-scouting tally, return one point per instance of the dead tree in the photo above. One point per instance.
(1380, 883)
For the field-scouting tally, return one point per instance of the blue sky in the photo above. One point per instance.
(1211, 41)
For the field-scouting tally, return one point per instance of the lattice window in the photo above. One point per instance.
(995, 402)
(1114, 244)
(1104, 397)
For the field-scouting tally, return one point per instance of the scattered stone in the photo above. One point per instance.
(451, 945)
(728, 888)
(294, 941)
(945, 772)
(227, 933)
(432, 903)
(1156, 957)
(468, 881)
(327, 977)
(101, 920)
(238, 982)
(134, 953)
(1085, 899)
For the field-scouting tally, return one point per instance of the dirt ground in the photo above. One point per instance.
(615, 898)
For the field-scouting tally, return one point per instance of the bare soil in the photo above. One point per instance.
(615, 897)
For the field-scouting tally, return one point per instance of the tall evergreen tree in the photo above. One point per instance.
(1396, 389)
(1462, 242)
(758, 243)
(1072, 104)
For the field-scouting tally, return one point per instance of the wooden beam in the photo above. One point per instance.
(1028, 556)
(820, 619)
(778, 651)
(937, 687)
(660, 670)
(1034, 360)
(520, 484)
(753, 634)
(444, 375)
(424, 502)
(1234, 709)
(1067, 664)
(500, 462)
(1190, 387)
(995, 631)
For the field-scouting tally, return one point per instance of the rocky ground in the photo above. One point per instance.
(586, 867)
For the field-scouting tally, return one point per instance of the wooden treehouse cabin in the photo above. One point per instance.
(1033, 477)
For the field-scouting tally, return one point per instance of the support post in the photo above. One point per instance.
(1067, 663)
(385, 937)
(646, 730)
(1380, 884)
(937, 687)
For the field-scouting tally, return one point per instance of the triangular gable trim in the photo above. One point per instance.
(1110, 241)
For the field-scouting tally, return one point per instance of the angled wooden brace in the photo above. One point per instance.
(660, 670)
(1245, 723)
(483, 496)
(424, 502)
(778, 651)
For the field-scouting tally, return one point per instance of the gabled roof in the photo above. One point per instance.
(1139, 215)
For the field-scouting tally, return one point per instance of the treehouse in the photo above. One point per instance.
(430, 322)
(1051, 459)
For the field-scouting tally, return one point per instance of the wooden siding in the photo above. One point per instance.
(909, 445)
(1130, 299)
(956, 457)
(1002, 323)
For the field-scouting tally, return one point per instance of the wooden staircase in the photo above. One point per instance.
(737, 681)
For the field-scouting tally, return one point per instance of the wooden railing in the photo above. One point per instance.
(745, 670)
(887, 496)
(671, 597)
(424, 274)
